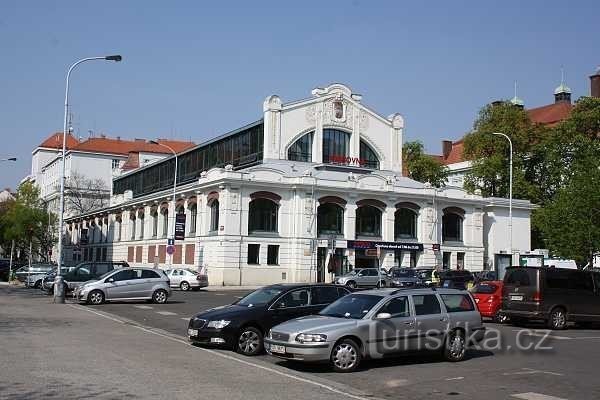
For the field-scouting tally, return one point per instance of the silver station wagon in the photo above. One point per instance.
(126, 284)
(378, 323)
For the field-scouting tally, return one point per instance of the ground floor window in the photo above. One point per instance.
(254, 254)
(273, 254)
(446, 260)
(460, 260)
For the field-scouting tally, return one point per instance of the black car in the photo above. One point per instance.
(404, 277)
(456, 279)
(242, 325)
(554, 295)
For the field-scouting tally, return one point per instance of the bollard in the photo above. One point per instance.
(59, 289)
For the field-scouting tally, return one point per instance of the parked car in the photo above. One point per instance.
(126, 284)
(364, 277)
(47, 284)
(404, 277)
(36, 269)
(428, 276)
(554, 295)
(456, 279)
(187, 279)
(87, 271)
(379, 323)
(35, 280)
(488, 296)
(242, 325)
(481, 276)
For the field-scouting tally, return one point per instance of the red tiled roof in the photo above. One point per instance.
(133, 162)
(116, 146)
(550, 114)
(55, 140)
(456, 153)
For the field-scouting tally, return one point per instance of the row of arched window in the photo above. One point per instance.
(336, 149)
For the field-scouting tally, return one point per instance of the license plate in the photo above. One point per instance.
(192, 332)
(275, 348)
(516, 298)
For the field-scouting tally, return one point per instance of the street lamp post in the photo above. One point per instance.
(172, 233)
(9, 159)
(59, 293)
(510, 194)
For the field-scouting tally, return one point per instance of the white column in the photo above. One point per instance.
(394, 162)
(350, 220)
(272, 127)
(387, 233)
(317, 145)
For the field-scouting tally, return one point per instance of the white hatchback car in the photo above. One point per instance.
(186, 279)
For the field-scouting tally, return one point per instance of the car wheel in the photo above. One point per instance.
(456, 346)
(160, 296)
(95, 297)
(345, 356)
(184, 286)
(250, 341)
(37, 285)
(501, 318)
(558, 319)
(351, 284)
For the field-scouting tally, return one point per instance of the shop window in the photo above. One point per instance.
(336, 146)
(253, 254)
(368, 221)
(330, 219)
(262, 216)
(273, 254)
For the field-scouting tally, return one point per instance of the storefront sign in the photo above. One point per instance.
(179, 226)
(344, 160)
(367, 244)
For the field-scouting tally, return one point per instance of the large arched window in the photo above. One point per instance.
(141, 219)
(368, 221)
(301, 150)
(368, 158)
(330, 219)
(165, 222)
(336, 146)
(262, 216)
(154, 215)
(132, 224)
(452, 225)
(405, 224)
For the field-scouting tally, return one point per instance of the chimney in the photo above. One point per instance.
(595, 84)
(446, 147)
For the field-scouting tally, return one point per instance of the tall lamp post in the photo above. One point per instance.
(59, 292)
(9, 159)
(509, 195)
(156, 142)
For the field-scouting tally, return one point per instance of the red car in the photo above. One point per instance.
(488, 296)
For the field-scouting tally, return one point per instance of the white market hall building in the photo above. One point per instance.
(312, 189)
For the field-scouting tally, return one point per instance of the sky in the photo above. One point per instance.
(197, 69)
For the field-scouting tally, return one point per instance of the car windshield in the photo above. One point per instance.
(485, 288)
(191, 270)
(354, 306)
(424, 274)
(353, 272)
(259, 297)
(404, 273)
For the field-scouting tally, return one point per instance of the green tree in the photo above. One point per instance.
(489, 154)
(27, 220)
(422, 167)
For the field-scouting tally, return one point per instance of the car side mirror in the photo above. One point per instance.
(383, 315)
(359, 275)
(110, 280)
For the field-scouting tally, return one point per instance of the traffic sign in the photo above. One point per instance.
(170, 250)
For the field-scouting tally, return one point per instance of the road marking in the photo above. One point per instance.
(549, 336)
(144, 307)
(177, 338)
(586, 337)
(239, 297)
(219, 294)
(535, 396)
(166, 313)
(530, 371)
(458, 378)
(185, 319)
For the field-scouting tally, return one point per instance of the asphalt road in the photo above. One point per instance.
(564, 367)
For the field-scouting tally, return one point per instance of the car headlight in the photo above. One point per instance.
(311, 338)
(218, 324)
